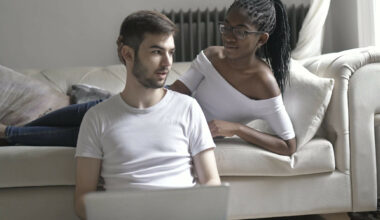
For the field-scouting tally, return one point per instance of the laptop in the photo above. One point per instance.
(196, 203)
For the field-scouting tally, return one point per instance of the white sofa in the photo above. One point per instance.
(333, 172)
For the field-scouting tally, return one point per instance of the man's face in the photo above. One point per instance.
(154, 60)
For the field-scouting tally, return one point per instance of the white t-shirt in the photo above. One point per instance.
(221, 101)
(145, 148)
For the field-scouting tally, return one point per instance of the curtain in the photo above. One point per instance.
(311, 34)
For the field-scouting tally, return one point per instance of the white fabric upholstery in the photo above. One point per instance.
(377, 142)
(42, 203)
(24, 166)
(349, 119)
(22, 98)
(110, 78)
(256, 197)
(306, 100)
(236, 157)
(333, 172)
(363, 107)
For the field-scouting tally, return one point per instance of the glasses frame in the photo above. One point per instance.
(229, 29)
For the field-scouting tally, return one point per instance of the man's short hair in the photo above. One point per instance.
(139, 23)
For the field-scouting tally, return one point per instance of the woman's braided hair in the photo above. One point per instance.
(270, 16)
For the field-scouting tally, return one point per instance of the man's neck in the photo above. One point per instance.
(140, 97)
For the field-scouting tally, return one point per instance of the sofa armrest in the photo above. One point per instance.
(364, 104)
(350, 116)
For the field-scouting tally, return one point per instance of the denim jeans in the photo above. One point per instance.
(58, 128)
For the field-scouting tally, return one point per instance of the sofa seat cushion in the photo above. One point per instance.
(235, 157)
(22, 166)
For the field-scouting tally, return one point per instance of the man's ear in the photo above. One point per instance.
(128, 53)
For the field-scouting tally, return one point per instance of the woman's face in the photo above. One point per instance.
(235, 44)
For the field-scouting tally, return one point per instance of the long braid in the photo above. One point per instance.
(270, 16)
(278, 46)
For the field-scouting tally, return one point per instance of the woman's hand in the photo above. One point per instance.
(223, 128)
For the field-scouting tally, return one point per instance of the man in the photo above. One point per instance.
(146, 137)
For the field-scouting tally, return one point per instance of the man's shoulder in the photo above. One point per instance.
(105, 105)
(184, 102)
(182, 98)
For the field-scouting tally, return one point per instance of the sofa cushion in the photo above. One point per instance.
(23, 98)
(82, 93)
(111, 78)
(306, 99)
(236, 157)
(22, 166)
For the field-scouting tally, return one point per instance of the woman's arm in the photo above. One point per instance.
(180, 87)
(265, 141)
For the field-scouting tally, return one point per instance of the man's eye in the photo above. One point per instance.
(156, 52)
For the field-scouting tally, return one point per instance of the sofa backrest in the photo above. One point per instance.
(111, 78)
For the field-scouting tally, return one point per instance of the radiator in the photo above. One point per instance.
(198, 29)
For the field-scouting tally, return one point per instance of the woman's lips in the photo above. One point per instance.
(231, 47)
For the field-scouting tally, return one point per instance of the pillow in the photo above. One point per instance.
(306, 98)
(23, 99)
(81, 93)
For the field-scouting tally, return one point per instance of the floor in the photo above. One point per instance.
(337, 216)
(375, 215)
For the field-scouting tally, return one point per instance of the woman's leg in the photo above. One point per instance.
(42, 136)
(58, 128)
(71, 116)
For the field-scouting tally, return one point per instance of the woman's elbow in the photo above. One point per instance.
(291, 146)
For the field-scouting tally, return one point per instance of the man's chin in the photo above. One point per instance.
(153, 85)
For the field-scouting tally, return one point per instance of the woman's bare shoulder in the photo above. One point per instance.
(265, 83)
(213, 52)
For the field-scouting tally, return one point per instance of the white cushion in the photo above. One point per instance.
(236, 157)
(306, 99)
(23, 98)
(111, 78)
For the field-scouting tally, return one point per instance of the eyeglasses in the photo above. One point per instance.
(238, 32)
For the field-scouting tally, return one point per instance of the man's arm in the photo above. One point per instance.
(205, 166)
(87, 176)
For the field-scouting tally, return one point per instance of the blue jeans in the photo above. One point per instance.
(58, 128)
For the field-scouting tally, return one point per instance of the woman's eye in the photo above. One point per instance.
(239, 31)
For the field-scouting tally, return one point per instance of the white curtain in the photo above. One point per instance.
(310, 38)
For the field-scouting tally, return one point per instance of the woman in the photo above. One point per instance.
(234, 85)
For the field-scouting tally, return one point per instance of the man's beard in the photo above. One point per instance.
(141, 72)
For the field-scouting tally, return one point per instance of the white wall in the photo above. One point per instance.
(58, 33)
(61, 33)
